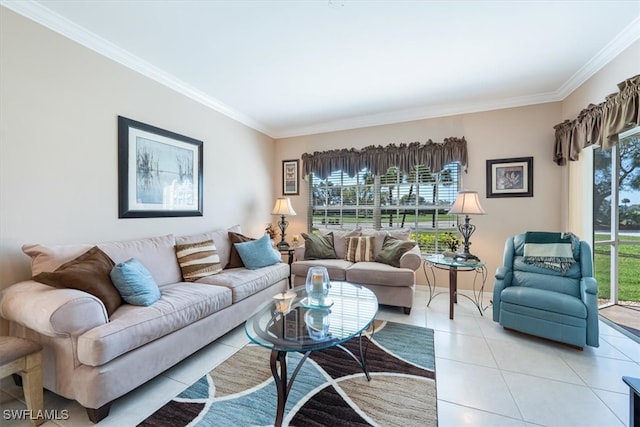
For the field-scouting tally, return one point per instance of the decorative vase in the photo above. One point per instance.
(317, 286)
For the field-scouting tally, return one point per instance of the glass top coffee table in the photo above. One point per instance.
(305, 330)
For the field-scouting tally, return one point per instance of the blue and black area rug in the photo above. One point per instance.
(330, 389)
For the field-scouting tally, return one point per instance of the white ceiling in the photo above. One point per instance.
(290, 68)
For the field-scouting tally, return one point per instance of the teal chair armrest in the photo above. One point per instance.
(503, 279)
(589, 295)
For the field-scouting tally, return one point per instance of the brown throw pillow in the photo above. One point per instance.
(392, 250)
(359, 249)
(89, 273)
(234, 257)
(197, 260)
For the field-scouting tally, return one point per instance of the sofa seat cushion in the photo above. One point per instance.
(336, 267)
(244, 282)
(377, 273)
(546, 301)
(133, 326)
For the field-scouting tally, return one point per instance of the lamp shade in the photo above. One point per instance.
(467, 203)
(283, 207)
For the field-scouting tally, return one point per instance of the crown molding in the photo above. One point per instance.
(43, 16)
(629, 35)
(415, 114)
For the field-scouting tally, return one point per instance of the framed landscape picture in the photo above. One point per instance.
(159, 172)
(290, 180)
(510, 177)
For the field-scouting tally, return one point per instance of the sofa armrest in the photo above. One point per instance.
(588, 285)
(51, 311)
(503, 279)
(589, 294)
(298, 253)
(411, 259)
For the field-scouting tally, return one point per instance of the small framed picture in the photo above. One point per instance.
(290, 178)
(510, 177)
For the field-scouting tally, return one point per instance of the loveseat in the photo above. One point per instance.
(384, 261)
(95, 351)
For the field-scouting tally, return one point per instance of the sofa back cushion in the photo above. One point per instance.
(379, 235)
(534, 276)
(340, 239)
(157, 254)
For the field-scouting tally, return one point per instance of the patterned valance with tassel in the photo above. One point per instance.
(379, 159)
(599, 124)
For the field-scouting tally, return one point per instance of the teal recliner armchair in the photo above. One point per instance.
(557, 305)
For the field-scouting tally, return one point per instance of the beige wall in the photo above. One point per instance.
(515, 132)
(59, 103)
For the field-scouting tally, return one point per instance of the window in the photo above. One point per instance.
(418, 200)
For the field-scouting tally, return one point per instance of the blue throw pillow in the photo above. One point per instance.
(135, 283)
(257, 253)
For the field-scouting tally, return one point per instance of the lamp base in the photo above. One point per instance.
(282, 246)
(466, 257)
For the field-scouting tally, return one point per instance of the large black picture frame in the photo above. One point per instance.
(159, 172)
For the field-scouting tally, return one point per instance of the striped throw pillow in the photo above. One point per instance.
(359, 249)
(197, 260)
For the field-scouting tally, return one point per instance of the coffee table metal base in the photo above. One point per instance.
(283, 385)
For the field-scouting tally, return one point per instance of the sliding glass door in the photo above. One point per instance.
(616, 220)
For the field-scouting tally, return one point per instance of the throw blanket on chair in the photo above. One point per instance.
(550, 250)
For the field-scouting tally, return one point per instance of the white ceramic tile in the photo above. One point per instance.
(601, 372)
(624, 345)
(12, 410)
(554, 403)
(474, 386)
(617, 402)
(463, 348)
(452, 415)
(461, 324)
(533, 358)
(607, 330)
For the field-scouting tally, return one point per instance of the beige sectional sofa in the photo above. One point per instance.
(392, 285)
(94, 358)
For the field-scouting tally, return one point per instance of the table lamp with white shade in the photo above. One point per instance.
(467, 203)
(283, 207)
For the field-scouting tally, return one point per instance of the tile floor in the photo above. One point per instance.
(486, 376)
